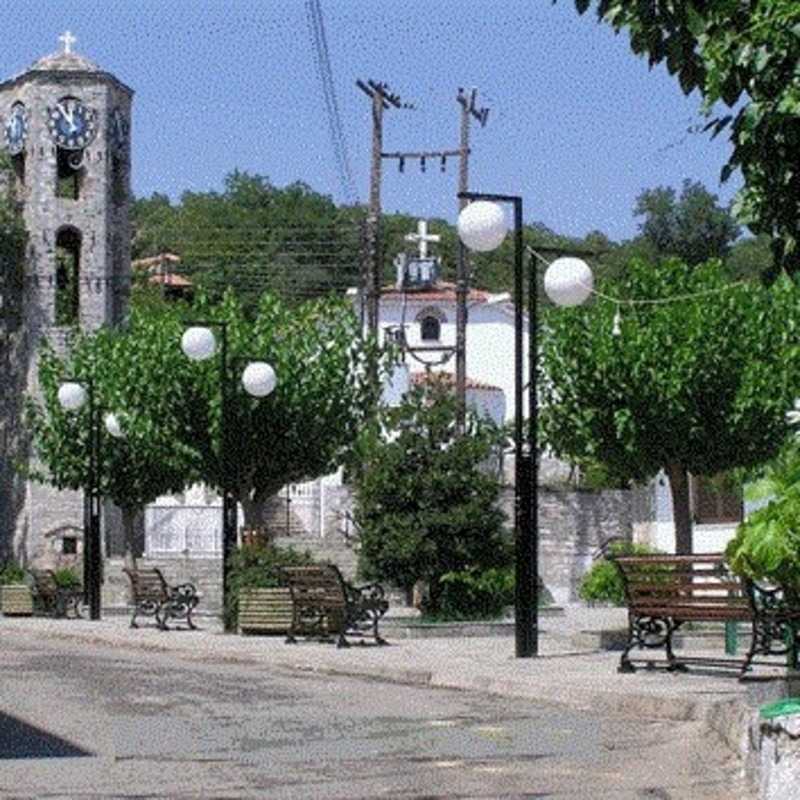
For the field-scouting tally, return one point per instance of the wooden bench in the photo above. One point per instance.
(324, 604)
(153, 596)
(50, 598)
(663, 592)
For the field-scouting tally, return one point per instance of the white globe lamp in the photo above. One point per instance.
(482, 226)
(568, 281)
(198, 343)
(71, 396)
(113, 426)
(259, 379)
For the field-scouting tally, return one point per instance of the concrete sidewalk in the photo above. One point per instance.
(566, 671)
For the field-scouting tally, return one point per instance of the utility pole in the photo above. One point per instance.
(371, 268)
(468, 110)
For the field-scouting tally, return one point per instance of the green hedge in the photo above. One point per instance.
(602, 583)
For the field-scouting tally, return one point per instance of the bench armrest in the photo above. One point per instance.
(184, 592)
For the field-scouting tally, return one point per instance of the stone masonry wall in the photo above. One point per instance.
(30, 511)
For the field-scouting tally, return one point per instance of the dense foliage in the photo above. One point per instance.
(696, 386)
(295, 242)
(170, 407)
(602, 582)
(11, 572)
(692, 227)
(140, 374)
(328, 387)
(743, 54)
(767, 544)
(13, 238)
(476, 593)
(426, 503)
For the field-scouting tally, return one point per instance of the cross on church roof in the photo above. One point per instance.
(422, 237)
(68, 40)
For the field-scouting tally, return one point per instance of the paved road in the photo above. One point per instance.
(88, 721)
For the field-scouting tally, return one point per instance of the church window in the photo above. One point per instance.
(69, 178)
(430, 321)
(68, 256)
(69, 545)
(430, 329)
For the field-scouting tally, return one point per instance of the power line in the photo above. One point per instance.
(319, 41)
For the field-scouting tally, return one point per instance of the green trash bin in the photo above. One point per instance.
(781, 708)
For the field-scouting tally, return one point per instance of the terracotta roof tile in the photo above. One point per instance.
(420, 378)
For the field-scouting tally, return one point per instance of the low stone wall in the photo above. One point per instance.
(573, 525)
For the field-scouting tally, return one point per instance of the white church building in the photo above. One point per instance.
(420, 310)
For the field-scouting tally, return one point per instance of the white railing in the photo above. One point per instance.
(183, 530)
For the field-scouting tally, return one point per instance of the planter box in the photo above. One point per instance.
(265, 610)
(16, 600)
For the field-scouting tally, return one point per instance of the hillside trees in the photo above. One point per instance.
(696, 386)
(693, 226)
(743, 55)
(254, 237)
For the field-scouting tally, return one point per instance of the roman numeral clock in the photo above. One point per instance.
(72, 124)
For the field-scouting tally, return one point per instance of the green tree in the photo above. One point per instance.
(328, 387)
(692, 227)
(743, 54)
(696, 386)
(253, 236)
(425, 504)
(140, 374)
(13, 239)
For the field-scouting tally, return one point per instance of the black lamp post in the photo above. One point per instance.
(482, 227)
(72, 394)
(198, 343)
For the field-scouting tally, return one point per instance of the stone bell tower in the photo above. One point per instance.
(66, 131)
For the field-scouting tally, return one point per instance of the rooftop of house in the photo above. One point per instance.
(449, 380)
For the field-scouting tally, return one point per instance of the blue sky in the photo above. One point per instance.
(578, 124)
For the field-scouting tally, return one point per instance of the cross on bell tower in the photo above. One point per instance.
(68, 40)
(422, 237)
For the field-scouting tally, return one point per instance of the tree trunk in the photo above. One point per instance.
(129, 531)
(253, 513)
(679, 487)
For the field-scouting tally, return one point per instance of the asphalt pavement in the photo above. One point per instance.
(570, 669)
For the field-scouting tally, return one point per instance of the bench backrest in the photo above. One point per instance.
(317, 584)
(693, 585)
(147, 584)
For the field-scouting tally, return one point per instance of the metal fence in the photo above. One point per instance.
(183, 530)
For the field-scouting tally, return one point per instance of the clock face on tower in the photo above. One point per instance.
(72, 124)
(16, 128)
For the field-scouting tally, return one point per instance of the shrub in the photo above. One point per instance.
(766, 546)
(11, 572)
(602, 583)
(475, 594)
(66, 578)
(425, 502)
(258, 566)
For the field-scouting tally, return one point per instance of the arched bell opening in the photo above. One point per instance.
(68, 271)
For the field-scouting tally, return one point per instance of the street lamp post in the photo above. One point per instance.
(72, 395)
(198, 343)
(482, 226)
